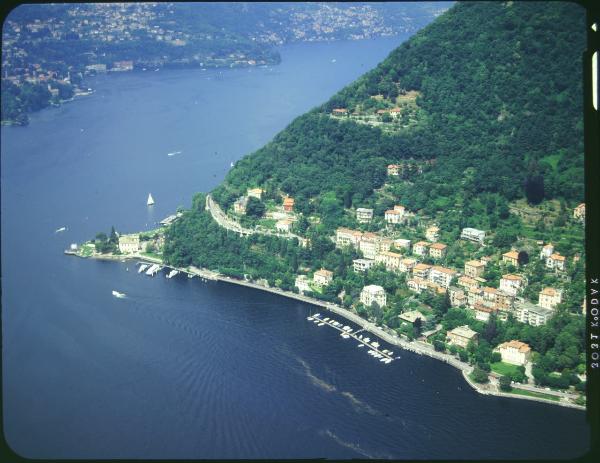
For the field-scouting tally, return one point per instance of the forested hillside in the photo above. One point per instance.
(476, 123)
(499, 97)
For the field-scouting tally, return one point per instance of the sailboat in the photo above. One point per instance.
(150, 199)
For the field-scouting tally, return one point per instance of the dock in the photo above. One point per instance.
(346, 332)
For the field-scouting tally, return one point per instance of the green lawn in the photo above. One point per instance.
(505, 369)
(535, 394)
(87, 250)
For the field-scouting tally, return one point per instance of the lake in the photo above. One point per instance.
(189, 369)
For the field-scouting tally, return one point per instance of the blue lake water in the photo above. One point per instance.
(185, 369)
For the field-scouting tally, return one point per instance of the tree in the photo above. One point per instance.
(417, 325)
(255, 207)
(114, 239)
(534, 184)
(439, 346)
(479, 376)
(505, 383)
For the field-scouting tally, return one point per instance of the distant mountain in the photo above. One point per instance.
(489, 94)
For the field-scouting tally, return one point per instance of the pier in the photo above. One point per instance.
(346, 332)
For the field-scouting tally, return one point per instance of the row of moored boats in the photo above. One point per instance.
(384, 355)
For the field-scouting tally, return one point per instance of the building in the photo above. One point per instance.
(393, 169)
(401, 243)
(534, 315)
(473, 234)
(549, 298)
(284, 226)
(406, 265)
(483, 312)
(122, 66)
(432, 233)
(412, 316)
(421, 248)
(364, 215)
(373, 293)
(547, 251)
(457, 296)
(474, 268)
(288, 204)
(437, 250)
(302, 284)
(514, 352)
(391, 260)
(322, 277)
(255, 192)
(340, 112)
(579, 212)
(393, 216)
(441, 276)
(461, 335)
(417, 284)
(511, 284)
(467, 282)
(384, 244)
(511, 258)
(96, 67)
(362, 265)
(489, 294)
(369, 245)
(421, 271)
(556, 262)
(347, 237)
(239, 207)
(129, 243)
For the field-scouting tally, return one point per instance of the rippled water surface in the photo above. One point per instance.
(190, 369)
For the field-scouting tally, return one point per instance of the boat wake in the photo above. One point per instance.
(315, 380)
(359, 405)
(355, 447)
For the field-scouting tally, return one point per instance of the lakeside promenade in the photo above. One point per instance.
(385, 334)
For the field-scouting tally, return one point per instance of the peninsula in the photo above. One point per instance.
(437, 202)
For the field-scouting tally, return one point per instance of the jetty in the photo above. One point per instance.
(346, 332)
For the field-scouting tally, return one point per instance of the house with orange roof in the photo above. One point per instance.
(514, 352)
(512, 284)
(421, 271)
(347, 237)
(579, 212)
(421, 248)
(549, 298)
(556, 262)
(474, 268)
(441, 275)
(288, 204)
(511, 258)
(391, 260)
(437, 250)
(394, 169)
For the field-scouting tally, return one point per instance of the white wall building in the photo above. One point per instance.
(373, 293)
(514, 352)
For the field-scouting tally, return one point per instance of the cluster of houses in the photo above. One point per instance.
(285, 220)
(464, 290)
(320, 279)
(132, 244)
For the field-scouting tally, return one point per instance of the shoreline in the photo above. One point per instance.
(416, 347)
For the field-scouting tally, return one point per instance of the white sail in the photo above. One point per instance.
(150, 199)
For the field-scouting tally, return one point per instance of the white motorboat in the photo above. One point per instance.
(118, 294)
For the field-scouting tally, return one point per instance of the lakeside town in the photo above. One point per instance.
(401, 244)
(49, 53)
